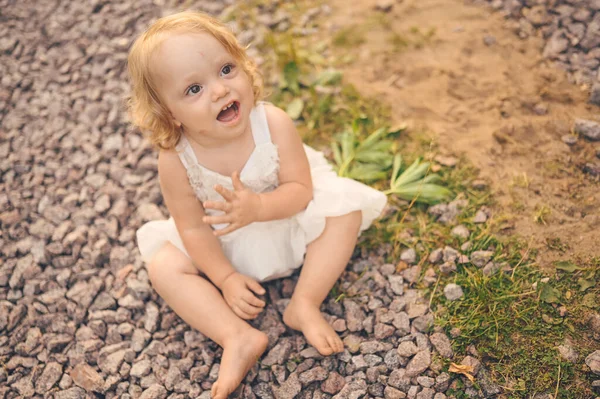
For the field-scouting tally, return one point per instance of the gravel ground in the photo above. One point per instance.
(571, 30)
(78, 317)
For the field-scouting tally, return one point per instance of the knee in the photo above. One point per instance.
(156, 266)
(168, 261)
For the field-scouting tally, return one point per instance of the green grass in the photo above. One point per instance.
(513, 318)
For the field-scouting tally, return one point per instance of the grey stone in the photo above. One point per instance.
(50, 376)
(152, 317)
(315, 374)
(425, 382)
(595, 94)
(436, 255)
(418, 364)
(423, 323)
(442, 344)
(155, 391)
(461, 231)
(396, 284)
(353, 390)
(398, 379)
(111, 363)
(447, 268)
(557, 44)
(593, 362)
(354, 315)
(481, 258)
(473, 362)
(480, 217)
(289, 389)
(588, 129)
(141, 368)
(409, 256)
(491, 268)
(426, 393)
(393, 393)
(71, 393)
(368, 347)
(333, 384)
(453, 292)
(402, 323)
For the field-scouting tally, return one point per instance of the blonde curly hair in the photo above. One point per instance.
(146, 109)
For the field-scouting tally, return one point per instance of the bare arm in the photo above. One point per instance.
(187, 211)
(295, 189)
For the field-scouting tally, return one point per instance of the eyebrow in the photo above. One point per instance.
(221, 61)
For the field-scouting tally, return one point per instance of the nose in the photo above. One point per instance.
(219, 91)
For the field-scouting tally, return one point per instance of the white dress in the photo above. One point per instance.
(272, 249)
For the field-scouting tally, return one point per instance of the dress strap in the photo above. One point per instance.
(185, 152)
(260, 127)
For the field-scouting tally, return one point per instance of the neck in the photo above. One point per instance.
(210, 143)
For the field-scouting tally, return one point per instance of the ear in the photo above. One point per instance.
(175, 121)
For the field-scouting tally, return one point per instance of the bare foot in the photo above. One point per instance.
(239, 355)
(307, 318)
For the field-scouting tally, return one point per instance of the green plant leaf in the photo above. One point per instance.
(425, 193)
(347, 145)
(412, 173)
(295, 108)
(591, 300)
(291, 73)
(329, 77)
(378, 157)
(567, 266)
(373, 138)
(549, 294)
(397, 164)
(585, 284)
(337, 155)
(551, 320)
(366, 172)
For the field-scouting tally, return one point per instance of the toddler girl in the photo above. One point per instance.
(248, 201)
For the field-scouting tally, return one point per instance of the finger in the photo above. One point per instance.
(217, 219)
(226, 230)
(249, 309)
(225, 193)
(218, 205)
(237, 183)
(254, 301)
(254, 286)
(236, 309)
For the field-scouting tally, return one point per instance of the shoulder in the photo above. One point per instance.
(280, 124)
(170, 167)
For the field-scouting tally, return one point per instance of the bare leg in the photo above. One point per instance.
(200, 304)
(326, 258)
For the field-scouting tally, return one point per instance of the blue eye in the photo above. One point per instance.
(227, 69)
(193, 89)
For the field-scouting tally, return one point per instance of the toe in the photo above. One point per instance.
(331, 345)
(323, 346)
(339, 345)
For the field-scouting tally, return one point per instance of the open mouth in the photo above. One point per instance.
(229, 112)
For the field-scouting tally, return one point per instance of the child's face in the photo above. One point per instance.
(197, 78)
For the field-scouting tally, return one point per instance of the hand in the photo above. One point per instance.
(241, 206)
(237, 290)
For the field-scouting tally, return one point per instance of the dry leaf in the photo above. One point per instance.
(87, 377)
(402, 265)
(122, 273)
(463, 369)
(118, 293)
